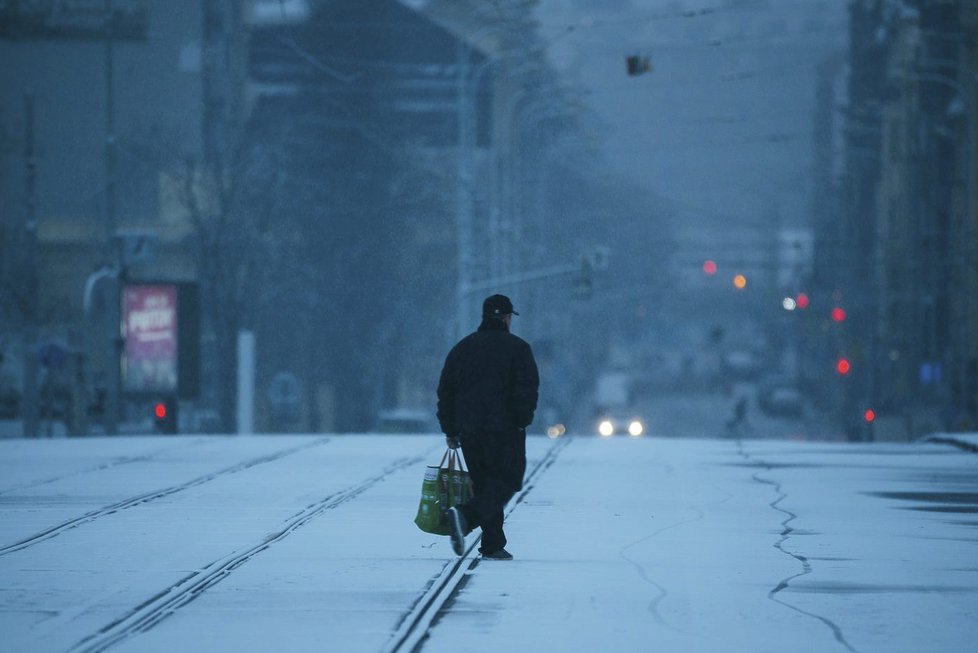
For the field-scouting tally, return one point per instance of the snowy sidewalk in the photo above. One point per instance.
(966, 441)
(305, 543)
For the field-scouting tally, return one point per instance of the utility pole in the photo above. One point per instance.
(114, 401)
(463, 222)
(29, 409)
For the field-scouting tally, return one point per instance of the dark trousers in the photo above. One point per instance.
(496, 462)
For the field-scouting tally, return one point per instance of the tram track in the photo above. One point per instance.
(123, 460)
(162, 605)
(152, 496)
(441, 589)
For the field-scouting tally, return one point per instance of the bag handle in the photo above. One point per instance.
(454, 458)
(461, 467)
(461, 462)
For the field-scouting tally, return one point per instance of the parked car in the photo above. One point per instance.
(406, 420)
(780, 396)
(740, 365)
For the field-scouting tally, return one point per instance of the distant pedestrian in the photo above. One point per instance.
(738, 422)
(487, 395)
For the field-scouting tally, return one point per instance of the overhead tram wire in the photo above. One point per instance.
(356, 122)
(702, 12)
(716, 11)
(785, 38)
(782, 139)
(762, 74)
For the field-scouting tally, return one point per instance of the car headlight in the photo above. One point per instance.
(606, 428)
(556, 431)
(635, 428)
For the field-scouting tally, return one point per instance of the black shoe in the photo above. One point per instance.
(456, 521)
(501, 554)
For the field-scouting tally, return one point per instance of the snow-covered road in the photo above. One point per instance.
(305, 543)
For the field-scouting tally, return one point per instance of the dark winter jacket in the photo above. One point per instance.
(489, 382)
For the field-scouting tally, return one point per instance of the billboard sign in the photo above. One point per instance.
(151, 335)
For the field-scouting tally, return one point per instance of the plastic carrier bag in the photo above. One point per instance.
(444, 486)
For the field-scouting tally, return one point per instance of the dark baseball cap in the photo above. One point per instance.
(498, 305)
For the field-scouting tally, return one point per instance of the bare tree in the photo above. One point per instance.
(230, 201)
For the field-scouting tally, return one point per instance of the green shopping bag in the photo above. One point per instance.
(443, 487)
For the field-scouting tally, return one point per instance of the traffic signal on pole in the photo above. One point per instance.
(637, 64)
(583, 286)
(582, 282)
(165, 416)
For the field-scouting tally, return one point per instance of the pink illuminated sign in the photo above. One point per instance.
(149, 327)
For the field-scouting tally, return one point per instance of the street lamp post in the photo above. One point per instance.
(467, 88)
(114, 402)
(525, 118)
(468, 83)
(507, 166)
(29, 409)
(463, 194)
(529, 121)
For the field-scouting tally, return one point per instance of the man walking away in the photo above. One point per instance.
(486, 398)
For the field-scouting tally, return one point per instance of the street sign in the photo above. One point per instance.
(136, 246)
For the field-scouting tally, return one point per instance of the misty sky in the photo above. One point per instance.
(722, 125)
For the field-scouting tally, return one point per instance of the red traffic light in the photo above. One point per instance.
(869, 415)
(710, 268)
(802, 300)
(838, 314)
(165, 415)
(843, 366)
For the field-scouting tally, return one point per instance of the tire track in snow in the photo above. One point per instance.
(786, 531)
(151, 496)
